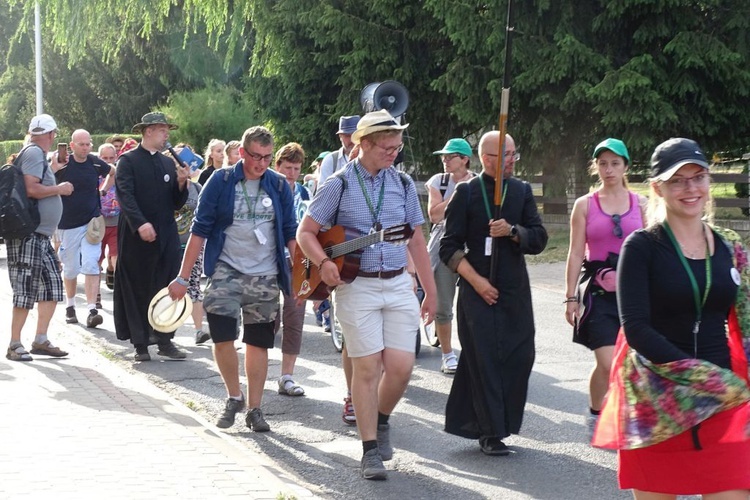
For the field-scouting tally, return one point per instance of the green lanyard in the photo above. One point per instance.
(251, 207)
(375, 212)
(696, 294)
(487, 202)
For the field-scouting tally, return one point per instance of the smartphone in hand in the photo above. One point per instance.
(62, 153)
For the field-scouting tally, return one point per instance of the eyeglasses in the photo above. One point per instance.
(451, 156)
(617, 230)
(257, 157)
(390, 151)
(699, 180)
(508, 155)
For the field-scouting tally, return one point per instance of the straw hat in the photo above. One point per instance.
(166, 315)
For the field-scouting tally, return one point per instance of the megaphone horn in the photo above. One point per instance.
(389, 95)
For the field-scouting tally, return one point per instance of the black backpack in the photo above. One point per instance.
(19, 214)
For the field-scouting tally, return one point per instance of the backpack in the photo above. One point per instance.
(19, 214)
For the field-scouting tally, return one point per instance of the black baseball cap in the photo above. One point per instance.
(671, 155)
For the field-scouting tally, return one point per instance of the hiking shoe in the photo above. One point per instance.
(348, 415)
(18, 353)
(99, 301)
(47, 349)
(254, 419)
(232, 407)
(141, 354)
(372, 466)
(450, 364)
(202, 337)
(170, 351)
(70, 315)
(384, 442)
(94, 319)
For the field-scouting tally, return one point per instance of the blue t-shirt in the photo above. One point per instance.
(83, 204)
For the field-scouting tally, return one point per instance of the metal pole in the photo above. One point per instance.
(38, 59)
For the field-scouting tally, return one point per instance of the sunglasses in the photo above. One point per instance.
(617, 230)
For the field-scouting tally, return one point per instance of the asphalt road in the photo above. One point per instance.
(549, 459)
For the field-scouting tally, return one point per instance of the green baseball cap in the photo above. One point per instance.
(615, 145)
(458, 146)
(323, 155)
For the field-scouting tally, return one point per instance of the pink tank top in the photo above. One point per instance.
(601, 228)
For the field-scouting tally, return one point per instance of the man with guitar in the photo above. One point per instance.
(374, 297)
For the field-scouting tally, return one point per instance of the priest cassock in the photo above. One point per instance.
(495, 318)
(150, 187)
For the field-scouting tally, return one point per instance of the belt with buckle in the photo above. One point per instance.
(383, 275)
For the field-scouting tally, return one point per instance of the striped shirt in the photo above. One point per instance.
(400, 205)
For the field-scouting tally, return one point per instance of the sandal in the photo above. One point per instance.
(449, 364)
(18, 353)
(289, 387)
(109, 279)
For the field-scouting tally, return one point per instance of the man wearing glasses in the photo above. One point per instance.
(246, 219)
(378, 311)
(495, 318)
(33, 268)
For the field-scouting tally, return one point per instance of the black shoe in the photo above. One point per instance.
(202, 337)
(99, 301)
(493, 446)
(254, 419)
(231, 409)
(70, 315)
(141, 354)
(94, 319)
(170, 351)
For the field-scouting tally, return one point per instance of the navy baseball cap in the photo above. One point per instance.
(673, 154)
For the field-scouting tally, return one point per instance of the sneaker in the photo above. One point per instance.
(70, 315)
(318, 317)
(18, 353)
(450, 364)
(327, 323)
(348, 416)
(94, 319)
(254, 419)
(99, 301)
(202, 337)
(142, 356)
(372, 466)
(47, 349)
(233, 406)
(170, 351)
(384, 442)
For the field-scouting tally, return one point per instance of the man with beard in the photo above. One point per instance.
(149, 188)
(495, 319)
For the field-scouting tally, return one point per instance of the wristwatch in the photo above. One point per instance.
(513, 231)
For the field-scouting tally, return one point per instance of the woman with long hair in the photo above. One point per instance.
(599, 224)
(677, 410)
(213, 159)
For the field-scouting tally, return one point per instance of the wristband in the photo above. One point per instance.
(320, 266)
(182, 281)
(570, 299)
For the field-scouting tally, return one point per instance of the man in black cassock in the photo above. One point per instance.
(495, 319)
(149, 189)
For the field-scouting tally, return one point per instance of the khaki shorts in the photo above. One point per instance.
(377, 314)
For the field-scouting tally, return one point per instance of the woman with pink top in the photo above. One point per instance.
(599, 224)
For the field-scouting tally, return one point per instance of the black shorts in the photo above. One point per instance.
(602, 323)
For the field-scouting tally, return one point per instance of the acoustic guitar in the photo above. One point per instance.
(344, 247)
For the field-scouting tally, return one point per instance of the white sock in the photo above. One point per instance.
(92, 306)
(71, 301)
(237, 398)
(448, 354)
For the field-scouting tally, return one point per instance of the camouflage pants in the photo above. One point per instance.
(228, 292)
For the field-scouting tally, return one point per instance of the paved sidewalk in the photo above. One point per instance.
(82, 427)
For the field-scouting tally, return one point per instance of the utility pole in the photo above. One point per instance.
(38, 58)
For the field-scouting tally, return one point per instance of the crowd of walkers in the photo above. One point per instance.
(659, 295)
